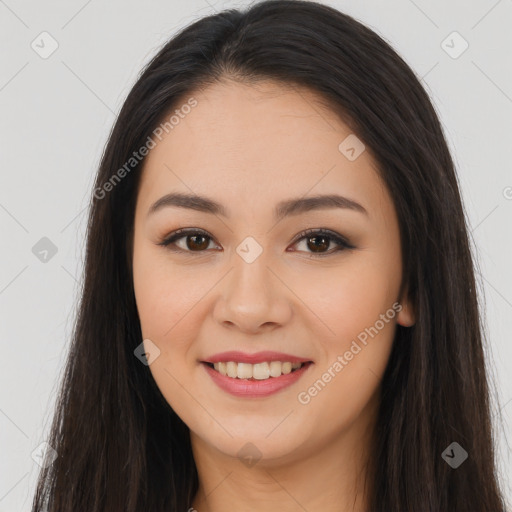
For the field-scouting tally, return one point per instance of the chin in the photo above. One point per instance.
(266, 445)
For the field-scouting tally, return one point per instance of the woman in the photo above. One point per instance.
(279, 309)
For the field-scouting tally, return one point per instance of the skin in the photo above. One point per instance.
(249, 147)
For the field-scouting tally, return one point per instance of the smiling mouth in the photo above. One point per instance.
(259, 371)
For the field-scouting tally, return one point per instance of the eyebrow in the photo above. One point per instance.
(283, 209)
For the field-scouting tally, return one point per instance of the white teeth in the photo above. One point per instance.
(286, 368)
(232, 369)
(260, 371)
(275, 369)
(222, 368)
(244, 371)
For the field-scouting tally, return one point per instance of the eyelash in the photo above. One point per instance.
(343, 244)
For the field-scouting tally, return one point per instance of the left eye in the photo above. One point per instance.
(198, 241)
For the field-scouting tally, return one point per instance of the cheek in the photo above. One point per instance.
(358, 310)
(165, 295)
(352, 298)
(347, 380)
(168, 303)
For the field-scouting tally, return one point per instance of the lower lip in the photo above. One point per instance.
(248, 388)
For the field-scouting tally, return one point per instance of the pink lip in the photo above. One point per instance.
(252, 388)
(258, 357)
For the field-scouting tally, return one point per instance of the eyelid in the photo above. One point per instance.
(340, 240)
(182, 233)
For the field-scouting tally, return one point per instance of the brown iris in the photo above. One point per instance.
(323, 245)
(197, 246)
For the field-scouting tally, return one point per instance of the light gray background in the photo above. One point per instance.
(56, 114)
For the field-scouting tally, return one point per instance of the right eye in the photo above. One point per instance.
(199, 240)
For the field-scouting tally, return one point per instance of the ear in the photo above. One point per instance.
(406, 316)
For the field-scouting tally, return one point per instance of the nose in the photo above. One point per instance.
(253, 298)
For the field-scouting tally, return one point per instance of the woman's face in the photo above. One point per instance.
(250, 282)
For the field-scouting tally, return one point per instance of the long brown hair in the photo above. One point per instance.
(120, 446)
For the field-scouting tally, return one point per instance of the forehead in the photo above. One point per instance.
(258, 141)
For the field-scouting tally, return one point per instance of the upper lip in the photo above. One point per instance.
(258, 357)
